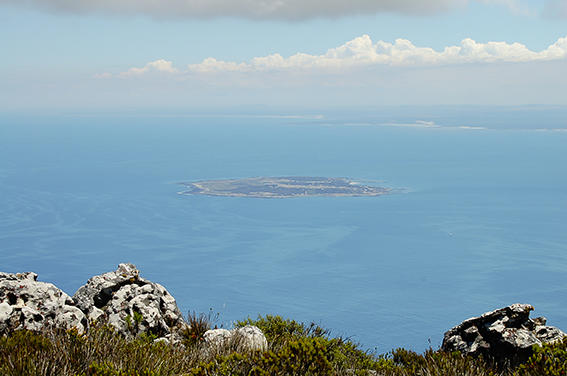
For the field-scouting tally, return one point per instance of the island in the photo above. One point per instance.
(282, 187)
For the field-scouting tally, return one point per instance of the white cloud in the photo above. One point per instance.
(423, 124)
(154, 66)
(213, 65)
(469, 127)
(363, 52)
(416, 124)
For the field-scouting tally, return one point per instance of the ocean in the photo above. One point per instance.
(478, 219)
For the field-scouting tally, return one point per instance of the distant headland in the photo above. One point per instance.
(282, 187)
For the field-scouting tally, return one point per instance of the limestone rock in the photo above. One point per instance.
(26, 303)
(130, 304)
(217, 337)
(122, 299)
(248, 338)
(505, 335)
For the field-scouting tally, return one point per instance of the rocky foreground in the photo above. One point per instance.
(129, 303)
(506, 334)
(133, 305)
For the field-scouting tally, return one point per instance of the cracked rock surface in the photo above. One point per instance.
(247, 338)
(28, 304)
(131, 304)
(505, 335)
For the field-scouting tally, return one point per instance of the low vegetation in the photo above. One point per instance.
(294, 349)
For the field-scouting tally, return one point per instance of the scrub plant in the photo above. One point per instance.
(547, 360)
(294, 349)
(198, 326)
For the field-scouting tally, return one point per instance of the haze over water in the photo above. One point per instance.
(480, 222)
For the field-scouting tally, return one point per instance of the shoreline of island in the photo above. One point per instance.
(283, 187)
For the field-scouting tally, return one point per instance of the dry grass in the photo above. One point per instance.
(294, 349)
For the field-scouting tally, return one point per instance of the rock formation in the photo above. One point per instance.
(217, 337)
(26, 303)
(250, 338)
(131, 304)
(247, 338)
(122, 299)
(505, 335)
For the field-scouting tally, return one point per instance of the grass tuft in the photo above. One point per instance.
(293, 349)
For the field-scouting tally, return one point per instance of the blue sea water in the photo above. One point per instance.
(480, 221)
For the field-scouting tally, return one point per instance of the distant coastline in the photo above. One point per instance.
(282, 187)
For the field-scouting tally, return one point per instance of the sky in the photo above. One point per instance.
(95, 55)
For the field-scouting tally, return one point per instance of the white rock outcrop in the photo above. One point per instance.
(131, 304)
(247, 338)
(505, 335)
(26, 303)
(121, 298)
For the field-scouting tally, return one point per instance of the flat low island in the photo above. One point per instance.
(282, 187)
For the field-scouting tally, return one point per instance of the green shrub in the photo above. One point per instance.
(408, 360)
(107, 369)
(19, 353)
(547, 360)
(342, 354)
(294, 349)
(276, 328)
(438, 363)
(100, 351)
(305, 356)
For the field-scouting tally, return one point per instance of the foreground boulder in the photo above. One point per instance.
(505, 335)
(131, 304)
(247, 338)
(122, 299)
(28, 304)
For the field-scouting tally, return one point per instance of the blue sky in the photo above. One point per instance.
(114, 54)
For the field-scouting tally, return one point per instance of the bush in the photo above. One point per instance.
(547, 360)
(101, 351)
(198, 326)
(294, 349)
(305, 356)
(284, 335)
(277, 329)
(107, 369)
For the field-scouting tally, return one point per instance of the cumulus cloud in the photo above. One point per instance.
(153, 66)
(363, 52)
(251, 9)
(213, 65)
